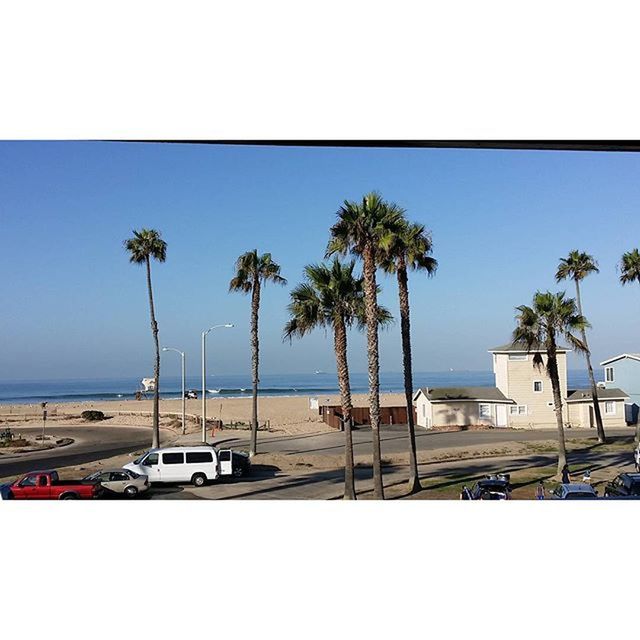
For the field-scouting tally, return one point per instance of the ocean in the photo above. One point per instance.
(234, 386)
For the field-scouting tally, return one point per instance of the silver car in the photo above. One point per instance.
(575, 491)
(122, 481)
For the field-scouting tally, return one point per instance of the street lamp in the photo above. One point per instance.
(184, 423)
(204, 375)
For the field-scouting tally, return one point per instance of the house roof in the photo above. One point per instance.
(584, 395)
(633, 356)
(520, 347)
(464, 394)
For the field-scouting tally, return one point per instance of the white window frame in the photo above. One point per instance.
(518, 410)
(607, 404)
(481, 406)
(424, 409)
(541, 386)
(606, 374)
(518, 356)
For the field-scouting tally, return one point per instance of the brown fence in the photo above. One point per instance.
(332, 415)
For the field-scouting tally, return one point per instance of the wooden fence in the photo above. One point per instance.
(332, 415)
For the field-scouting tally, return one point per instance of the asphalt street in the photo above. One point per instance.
(90, 443)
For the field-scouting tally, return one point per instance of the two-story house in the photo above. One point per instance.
(624, 371)
(521, 399)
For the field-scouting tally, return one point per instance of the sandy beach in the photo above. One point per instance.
(287, 414)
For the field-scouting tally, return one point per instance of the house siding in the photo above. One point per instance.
(449, 414)
(517, 384)
(579, 414)
(626, 376)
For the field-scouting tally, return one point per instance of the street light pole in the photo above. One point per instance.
(204, 375)
(182, 359)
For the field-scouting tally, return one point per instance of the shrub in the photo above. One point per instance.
(92, 415)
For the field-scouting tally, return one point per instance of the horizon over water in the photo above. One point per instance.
(238, 386)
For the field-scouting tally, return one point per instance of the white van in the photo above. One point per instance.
(187, 464)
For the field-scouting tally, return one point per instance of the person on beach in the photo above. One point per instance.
(540, 491)
(566, 477)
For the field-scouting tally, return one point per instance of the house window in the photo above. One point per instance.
(424, 410)
(537, 386)
(517, 356)
(610, 407)
(608, 374)
(485, 410)
(518, 410)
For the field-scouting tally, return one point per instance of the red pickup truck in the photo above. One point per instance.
(46, 485)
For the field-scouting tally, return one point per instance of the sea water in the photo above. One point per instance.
(233, 386)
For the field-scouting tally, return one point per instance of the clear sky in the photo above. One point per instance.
(73, 306)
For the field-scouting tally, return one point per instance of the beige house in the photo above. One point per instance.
(521, 399)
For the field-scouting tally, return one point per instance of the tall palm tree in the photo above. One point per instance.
(333, 297)
(145, 245)
(363, 229)
(577, 266)
(409, 249)
(552, 316)
(253, 271)
(630, 267)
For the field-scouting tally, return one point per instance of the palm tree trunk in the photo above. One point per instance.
(340, 343)
(405, 329)
(155, 439)
(255, 350)
(594, 389)
(552, 367)
(371, 315)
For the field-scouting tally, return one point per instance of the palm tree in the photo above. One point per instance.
(551, 316)
(577, 266)
(630, 267)
(333, 297)
(409, 249)
(252, 272)
(363, 229)
(147, 244)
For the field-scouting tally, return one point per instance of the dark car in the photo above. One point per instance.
(240, 463)
(492, 488)
(5, 492)
(626, 485)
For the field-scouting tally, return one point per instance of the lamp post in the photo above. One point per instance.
(204, 375)
(184, 423)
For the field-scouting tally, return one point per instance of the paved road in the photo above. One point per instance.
(328, 484)
(91, 443)
(394, 439)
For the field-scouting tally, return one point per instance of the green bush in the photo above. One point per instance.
(92, 415)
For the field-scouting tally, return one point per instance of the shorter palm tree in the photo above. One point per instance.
(552, 316)
(333, 297)
(253, 271)
(630, 267)
(147, 244)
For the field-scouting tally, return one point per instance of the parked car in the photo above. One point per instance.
(46, 485)
(120, 481)
(625, 485)
(5, 492)
(197, 464)
(492, 488)
(575, 491)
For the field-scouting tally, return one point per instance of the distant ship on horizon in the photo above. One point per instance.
(319, 372)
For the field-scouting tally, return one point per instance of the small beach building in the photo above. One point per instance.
(612, 403)
(522, 397)
(623, 371)
(457, 406)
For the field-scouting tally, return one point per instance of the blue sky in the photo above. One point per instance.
(73, 306)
